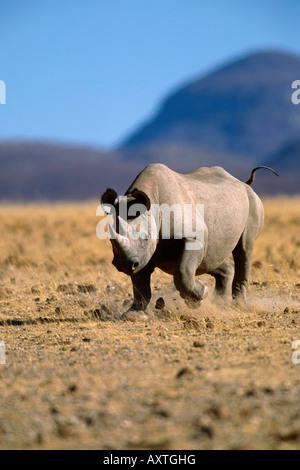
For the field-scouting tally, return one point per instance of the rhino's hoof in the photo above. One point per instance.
(196, 303)
(191, 303)
(134, 315)
(239, 302)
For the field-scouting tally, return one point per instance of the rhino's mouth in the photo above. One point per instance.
(125, 265)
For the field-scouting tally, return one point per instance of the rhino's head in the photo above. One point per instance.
(133, 234)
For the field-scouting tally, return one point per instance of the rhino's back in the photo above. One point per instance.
(215, 175)
(164, 185)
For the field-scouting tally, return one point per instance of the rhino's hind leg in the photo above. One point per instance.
(242, 253)
(223, 276)
(141, 293)
(190, 289)
(242, 261)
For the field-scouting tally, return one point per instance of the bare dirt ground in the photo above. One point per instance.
(75, 378)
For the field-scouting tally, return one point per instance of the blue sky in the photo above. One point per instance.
(90, 71)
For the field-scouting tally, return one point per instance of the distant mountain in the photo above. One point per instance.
(287, 158)
(243, 108)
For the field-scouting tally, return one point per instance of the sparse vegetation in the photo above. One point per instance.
(76, 377)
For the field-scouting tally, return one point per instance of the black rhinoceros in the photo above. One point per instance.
(224, 216)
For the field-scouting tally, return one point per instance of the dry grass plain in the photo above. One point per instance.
(76, 378)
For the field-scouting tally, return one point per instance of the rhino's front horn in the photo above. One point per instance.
(123, 242)
(112, 231)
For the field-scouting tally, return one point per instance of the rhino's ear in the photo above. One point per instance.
(108, 198)
(141, 198)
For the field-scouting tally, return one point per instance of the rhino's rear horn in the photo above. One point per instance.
(141, 198)
(124, 228)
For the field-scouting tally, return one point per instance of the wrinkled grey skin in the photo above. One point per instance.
(233, 220)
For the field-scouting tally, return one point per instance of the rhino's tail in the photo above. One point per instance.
(252, 177)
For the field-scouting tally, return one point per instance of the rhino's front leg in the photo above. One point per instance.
(190, 289)
(141, 293)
